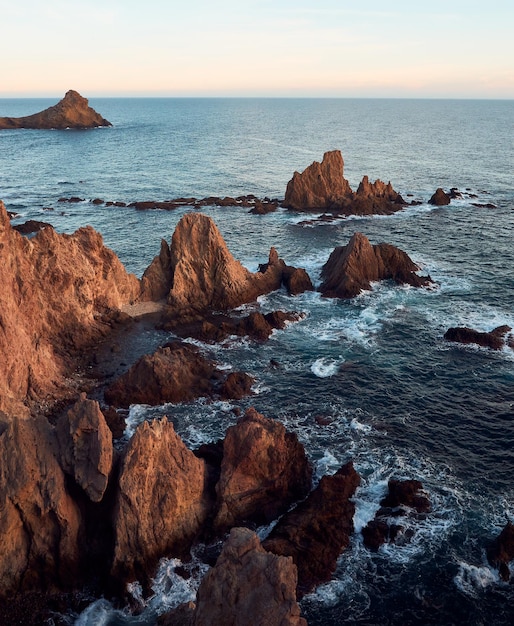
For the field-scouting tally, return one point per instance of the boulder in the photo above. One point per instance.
(440, 198)
(263, 471)
(318, 529)
(177, 372)
(86, 450)
(352, 268)
(31, 226)
(501, 551)
(59, 293)
(248, 585)
(494, 339)
(73, 111)
(40, 524)
(162, 501)
(323, 187)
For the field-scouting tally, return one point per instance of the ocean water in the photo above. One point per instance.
(398, 400)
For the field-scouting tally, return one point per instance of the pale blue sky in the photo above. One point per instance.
(452, 48)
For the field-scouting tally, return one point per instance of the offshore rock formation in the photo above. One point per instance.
(494, 339)
(352, 268)
(248, 585)
(440, 198)
(203, 274)
(58, 295)
(318, 529)
(322, 186)
(404, 497)
(176, 372)
(501, 551)
(73, 111)
(162, 501)
(264, 469)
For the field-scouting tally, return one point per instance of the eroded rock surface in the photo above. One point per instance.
(162, 501)
(352, 268)
(58, 294)
(86, 447)
(318, 529)
(264, 469)
(248, 585)
(501, 552)
(73, 111)
(323, 187)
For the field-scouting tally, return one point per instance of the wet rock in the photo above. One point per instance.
(73, 111)
(352, 268)
(264, 469)
(116, 420)
(440, 198)
(501, 552)
(404, 497)
(236, 386)
(494, 339)
(176, 372)
(86, 450)
(248, 584)
(162, 502)
(318, 529)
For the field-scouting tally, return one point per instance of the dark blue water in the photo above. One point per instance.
(400, 400)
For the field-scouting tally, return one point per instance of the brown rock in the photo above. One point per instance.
(318, 529)
(406, 493)
(72, 111)
(440, 198)
(351, 268)
(264, 469)
(162, 501)
(31, 226)
(236, 386)
(248, 585)
(58, 294)
(494, 339)
(501, 552)
(157, 278)
(322, 186)
(176, 372)
(86, 447)
(319, 186)
(40, 525)
(206, 275)
(296, 280)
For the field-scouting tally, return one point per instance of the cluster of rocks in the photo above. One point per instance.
(495, 339)
(73, 111)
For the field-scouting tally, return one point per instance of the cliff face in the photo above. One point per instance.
(72, 111)
(57, 294)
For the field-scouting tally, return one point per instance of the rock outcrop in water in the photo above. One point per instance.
(248, 585)
(352, 268)
(495, 339)
(318, 529)
(73, 111)
(203, 273)
(263, 471)
(322, 186)
(501, 551)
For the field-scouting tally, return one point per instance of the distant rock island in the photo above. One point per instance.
(73, 111)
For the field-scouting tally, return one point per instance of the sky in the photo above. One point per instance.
(276, 48)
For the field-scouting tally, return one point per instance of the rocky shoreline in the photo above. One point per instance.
(84, 508)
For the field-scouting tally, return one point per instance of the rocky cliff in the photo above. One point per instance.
(323, 187)
(59, 293)
(73, 111)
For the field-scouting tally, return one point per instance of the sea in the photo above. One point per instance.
(370, 379)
